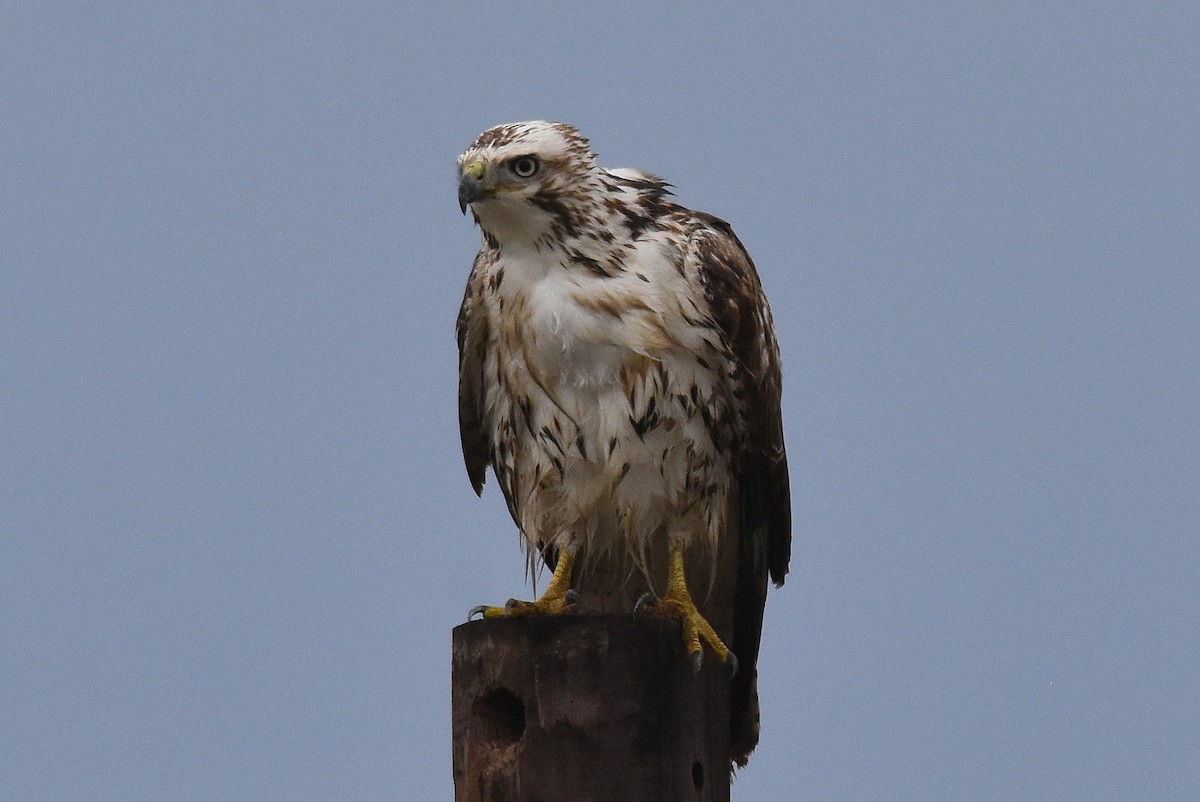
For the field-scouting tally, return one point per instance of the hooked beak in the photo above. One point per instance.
(470, 185)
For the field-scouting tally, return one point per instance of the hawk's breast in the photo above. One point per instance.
(615, 386)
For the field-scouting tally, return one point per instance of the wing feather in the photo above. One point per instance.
(473, 342)
(739, 310)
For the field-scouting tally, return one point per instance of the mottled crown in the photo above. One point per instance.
(551, 141)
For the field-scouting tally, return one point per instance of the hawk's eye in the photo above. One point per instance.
(525, 166)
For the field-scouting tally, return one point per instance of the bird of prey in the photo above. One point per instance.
(619, 372)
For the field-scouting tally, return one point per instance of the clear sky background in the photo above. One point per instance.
(235, 530)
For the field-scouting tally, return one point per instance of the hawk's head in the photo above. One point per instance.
(524, 180)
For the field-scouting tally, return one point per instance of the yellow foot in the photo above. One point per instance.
(678, 605)
(567, 602)
(558, 598)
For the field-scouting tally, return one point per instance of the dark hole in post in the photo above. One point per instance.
(698, 775)
(498, 717)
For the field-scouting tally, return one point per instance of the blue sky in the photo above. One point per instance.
(235, 530)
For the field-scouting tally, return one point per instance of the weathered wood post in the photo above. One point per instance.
(586, 708)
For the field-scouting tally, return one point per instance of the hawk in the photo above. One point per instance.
(619, 372)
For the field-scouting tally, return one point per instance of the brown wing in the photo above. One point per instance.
(739, 309)
(473, 338)
(477, 433)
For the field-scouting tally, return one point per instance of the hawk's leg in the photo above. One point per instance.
(558, 598)
(678, 604)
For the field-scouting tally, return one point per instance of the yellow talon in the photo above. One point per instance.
(678, 604)
(558, 598)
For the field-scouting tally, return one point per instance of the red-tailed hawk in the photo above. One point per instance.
(618, 370)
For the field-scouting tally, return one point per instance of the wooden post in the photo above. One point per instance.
(586, 708)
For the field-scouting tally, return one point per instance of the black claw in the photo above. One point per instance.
(646, 598)
(697, 661)
(572, 597)
(479, 608)
(733, 665)
(511, 605)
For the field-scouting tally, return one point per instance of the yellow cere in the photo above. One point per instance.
(475, 170)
